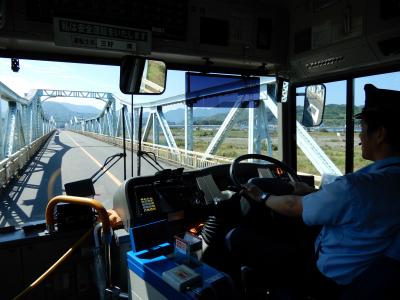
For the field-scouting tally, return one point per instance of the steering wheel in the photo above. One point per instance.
(251, 209)
(234, 166)
(242, 210)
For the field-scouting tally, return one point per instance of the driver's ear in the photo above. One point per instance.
(381, 134)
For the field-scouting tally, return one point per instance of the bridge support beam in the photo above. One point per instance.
(15, 135)
(11, 128)
(127, 121)
(165, 128)
(156, 120)
(188, 127)
(147, 127)
(225, 127)
(135, 121)
(25, 120)
(123, 117)
(156, 131)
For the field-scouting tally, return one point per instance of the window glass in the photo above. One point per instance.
(75, 96)
(329, 137)
(231, 138)
(84, 77)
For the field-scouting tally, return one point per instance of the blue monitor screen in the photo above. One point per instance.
(220, 90)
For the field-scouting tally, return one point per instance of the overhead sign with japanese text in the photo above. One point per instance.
(74, 33)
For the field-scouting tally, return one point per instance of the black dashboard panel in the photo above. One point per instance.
(156, 198)
(156, 208)
(151, 198)
(246, 171)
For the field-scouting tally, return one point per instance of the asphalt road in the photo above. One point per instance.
(66, 157)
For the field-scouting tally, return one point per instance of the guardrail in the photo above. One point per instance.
(181, 157)
(10, 166)
(190, 159)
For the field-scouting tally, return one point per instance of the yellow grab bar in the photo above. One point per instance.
(103, 215)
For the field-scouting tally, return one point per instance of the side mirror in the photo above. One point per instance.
(139, 75)
(314, 105)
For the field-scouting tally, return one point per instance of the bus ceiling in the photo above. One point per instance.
(338, 38)
(298, 40)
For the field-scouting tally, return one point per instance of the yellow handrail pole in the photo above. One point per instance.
(103, 215)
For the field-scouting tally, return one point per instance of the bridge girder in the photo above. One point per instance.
(25, 120)
(258, 127)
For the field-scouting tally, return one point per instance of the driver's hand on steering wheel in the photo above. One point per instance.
(252, 191)
(301, 188)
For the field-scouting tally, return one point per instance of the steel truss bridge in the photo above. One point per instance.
(23, 130)
(109, 125)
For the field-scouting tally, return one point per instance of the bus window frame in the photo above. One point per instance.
(291, 158)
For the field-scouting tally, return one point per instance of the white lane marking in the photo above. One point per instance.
(108, 173)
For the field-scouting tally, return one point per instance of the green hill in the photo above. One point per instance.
(334, 114)
(64, 112)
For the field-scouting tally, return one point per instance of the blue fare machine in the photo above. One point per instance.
(164, 261)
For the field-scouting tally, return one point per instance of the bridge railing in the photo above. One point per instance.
(10, 166)
(190, 159)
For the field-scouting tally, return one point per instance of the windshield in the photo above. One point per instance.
(73, 116)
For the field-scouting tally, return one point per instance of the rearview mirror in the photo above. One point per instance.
(139, 75)
(314, 105)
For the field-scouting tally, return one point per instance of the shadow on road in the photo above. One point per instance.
(45, 168)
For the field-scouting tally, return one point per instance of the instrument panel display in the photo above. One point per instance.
(147, 200)
(148, 204)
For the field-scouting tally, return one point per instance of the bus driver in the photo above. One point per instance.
(359, 212)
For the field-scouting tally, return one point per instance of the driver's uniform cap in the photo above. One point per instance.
(380, 103)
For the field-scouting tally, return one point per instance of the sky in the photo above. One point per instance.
(336, 91)
(55, 75)
(84, 77)
(76, 77)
